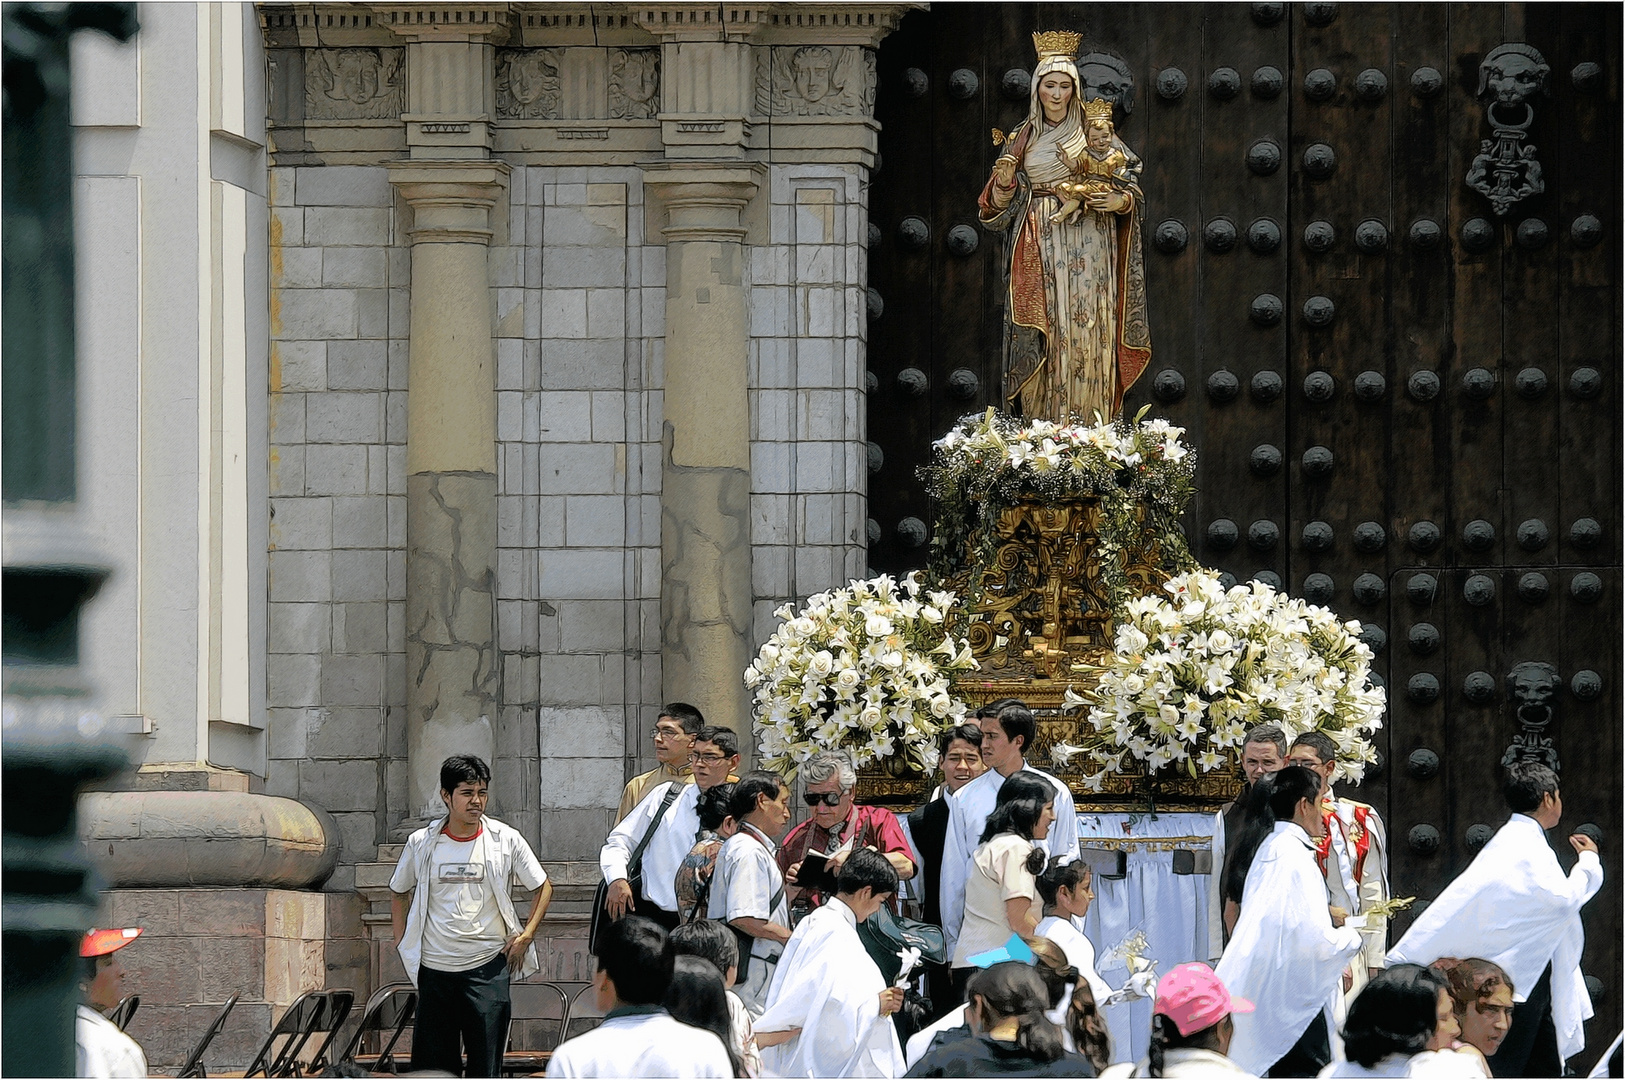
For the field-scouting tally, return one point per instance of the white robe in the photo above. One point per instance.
(968, 810)
(103, 1050)
(1080, 953)
(1514, 906)
(1285, 957)
(827, 986)
(642, 1043)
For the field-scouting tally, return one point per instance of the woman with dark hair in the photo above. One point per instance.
(1482, 993)
(1394, 1023)
(1059, 978)
(1287, 954)
(1252, 827)
(693, 881)
(1190, 1027)
(1001, 891)
(696, 996)
(1011, 1036)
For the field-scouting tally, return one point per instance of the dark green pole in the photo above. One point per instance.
(52, 742)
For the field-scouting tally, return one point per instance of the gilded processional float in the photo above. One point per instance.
(1059, 571)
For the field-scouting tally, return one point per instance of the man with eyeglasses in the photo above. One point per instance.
(674, 733)
(829, 781)
(671, 825)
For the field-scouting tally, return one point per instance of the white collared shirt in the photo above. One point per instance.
(667, 848)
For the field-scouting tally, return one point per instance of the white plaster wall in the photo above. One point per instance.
(170, 227)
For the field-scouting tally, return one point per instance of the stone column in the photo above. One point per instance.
(452, 673)
(705, 553)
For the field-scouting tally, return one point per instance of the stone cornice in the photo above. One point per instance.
(547, 24)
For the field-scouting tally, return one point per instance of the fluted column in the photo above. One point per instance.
(705, 555)
(452, 668)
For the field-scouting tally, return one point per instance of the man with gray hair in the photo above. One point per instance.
(1263, 751)
(837, 824)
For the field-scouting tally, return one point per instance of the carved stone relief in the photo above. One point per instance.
(815, 80)
(634, 84)
(528, 84)
(354, 84)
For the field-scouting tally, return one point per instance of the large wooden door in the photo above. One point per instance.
(1406, 406)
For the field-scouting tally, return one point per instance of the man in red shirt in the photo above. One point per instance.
(828, 784)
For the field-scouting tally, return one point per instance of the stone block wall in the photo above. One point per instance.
(200, 946)
(579, 323)
(808, 326)
(579, 299)
(340, 283)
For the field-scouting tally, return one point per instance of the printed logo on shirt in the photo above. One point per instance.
(463, 873)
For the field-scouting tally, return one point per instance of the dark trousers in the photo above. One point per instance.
(961, 976)
(1530, 1048)
(668, 920)
(1310, 1054)
(462, 1011)
(939, 986)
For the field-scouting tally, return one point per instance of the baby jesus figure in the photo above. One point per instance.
(1102, 162)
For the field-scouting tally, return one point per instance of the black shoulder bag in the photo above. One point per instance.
(634, 874)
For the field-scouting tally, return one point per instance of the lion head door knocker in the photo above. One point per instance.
(1505, 170)
(1533, 687)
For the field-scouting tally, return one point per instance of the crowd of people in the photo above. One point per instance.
(726, 948)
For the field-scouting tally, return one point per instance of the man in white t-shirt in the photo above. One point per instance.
(455, 926)
(638, 1037)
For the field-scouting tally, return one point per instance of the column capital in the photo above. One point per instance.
(704, 202)
(451, 200)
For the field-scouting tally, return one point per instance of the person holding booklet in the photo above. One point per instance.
(837, 827)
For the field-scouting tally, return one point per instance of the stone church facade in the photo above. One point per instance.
(519, 354)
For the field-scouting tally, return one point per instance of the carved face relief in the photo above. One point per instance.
(359, 83)
(813, 69)
(634, 84)
(1107, 78)
(358, 75)
(1511, 75)
(1533, 685)
(527, 84)
(1099, 137)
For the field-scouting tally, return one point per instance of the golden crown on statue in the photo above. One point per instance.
(1097, 109)
(1056, 43)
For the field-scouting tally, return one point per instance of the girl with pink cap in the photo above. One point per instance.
(1190, 1027)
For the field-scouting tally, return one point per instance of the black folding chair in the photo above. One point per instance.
(584, 1012)
(541, 1012)
(124, 1010)
(303, 1019)
(388, 1012)
(194, 1060)
(339, 1003)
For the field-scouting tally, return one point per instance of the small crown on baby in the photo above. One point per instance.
(1097, 109)
(1056, 43)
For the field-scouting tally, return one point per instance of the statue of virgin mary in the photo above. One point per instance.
(1076, 336)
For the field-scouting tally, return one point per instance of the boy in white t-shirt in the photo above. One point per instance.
(455, 926)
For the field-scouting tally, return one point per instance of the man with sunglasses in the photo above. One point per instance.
(674, 733)
(829, 781)
(672, 826)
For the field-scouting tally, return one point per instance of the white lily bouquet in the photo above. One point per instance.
(1193, 669)
(865, 669)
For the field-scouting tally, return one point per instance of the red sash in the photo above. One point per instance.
(1359, 833)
